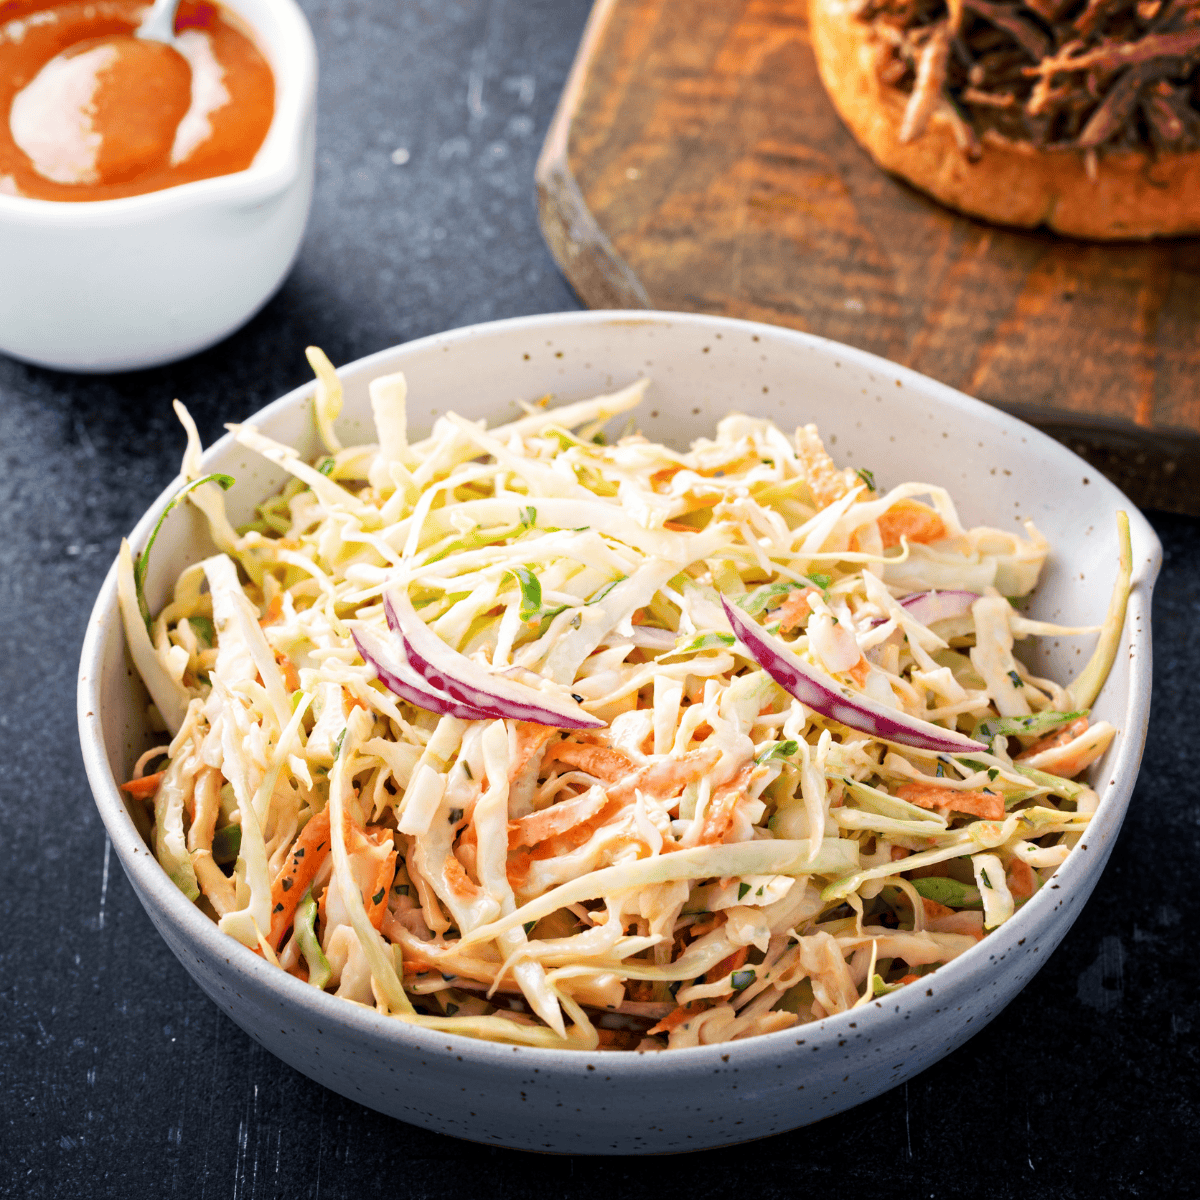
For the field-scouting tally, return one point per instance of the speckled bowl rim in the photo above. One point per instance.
(291, 51)
(952, 983)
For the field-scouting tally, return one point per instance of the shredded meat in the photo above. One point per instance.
(1072, 75)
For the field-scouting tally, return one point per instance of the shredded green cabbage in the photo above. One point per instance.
(718, 860)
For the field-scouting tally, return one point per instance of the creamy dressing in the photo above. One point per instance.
(88, 111)
(53, 118)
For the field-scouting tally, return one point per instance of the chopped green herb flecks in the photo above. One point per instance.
(531, 592)
(780, 750)
(740, 980)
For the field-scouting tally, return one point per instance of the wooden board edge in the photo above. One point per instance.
(599, 275)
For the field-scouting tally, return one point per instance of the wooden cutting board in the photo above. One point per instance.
(696, 163)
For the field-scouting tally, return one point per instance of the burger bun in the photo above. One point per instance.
(1133, 194)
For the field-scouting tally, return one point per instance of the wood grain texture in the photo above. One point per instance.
(696, 163)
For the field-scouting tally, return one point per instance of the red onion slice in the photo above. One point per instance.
(395, 674)
(824, 695)
(455, 675)
(928, 607)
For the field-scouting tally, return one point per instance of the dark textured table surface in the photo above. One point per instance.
(119, 1078)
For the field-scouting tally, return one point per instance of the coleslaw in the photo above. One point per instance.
(522, 735)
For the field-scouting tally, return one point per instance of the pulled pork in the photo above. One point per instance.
(1075, 75)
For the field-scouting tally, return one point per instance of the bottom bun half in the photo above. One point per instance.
(1134, 195)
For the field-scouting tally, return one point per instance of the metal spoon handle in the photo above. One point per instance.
(159, 25)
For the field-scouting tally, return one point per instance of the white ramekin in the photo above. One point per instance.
(117, 284)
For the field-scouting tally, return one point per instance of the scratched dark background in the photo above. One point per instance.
(119, 1078)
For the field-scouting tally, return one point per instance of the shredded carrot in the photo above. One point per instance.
(520, 860)
(913, 520)
(795, 609)
(988, 805)
(618, 1039)
(601, 761)
(291, 677)
(1021, 882)
(308, 852)
(707, 925)
(455, 875)
(718, 817)
(274, 613)
(967, 921)
(670, 776)
(1060, 737)
(933, 909)
(145, 787)
(728, 965)
(376, 903)
(531, 737)
(860, 671)
(825, 481)
(555, 820)
(680, 1015)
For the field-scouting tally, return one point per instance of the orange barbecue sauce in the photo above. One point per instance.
(109, 115)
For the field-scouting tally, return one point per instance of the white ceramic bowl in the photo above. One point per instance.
(118, 284)
(872, 414)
